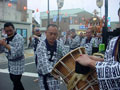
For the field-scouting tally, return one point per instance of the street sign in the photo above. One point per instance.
(82, 27)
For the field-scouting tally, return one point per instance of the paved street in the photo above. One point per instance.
(28, 76)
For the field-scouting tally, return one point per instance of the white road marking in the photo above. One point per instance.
(26, 64)
(29, 63)
(29, 74)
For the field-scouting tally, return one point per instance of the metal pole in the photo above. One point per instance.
(58, 17)
(3, 9)
(58, 23)
(48, 14)
(106, 12)
(100, 13)
(105, 28)
(119, 13)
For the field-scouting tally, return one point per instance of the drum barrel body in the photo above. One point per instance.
(66, 68)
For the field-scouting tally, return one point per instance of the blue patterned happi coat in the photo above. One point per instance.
(108, 72)
(88, 45)
(15, 56)
(47, 58)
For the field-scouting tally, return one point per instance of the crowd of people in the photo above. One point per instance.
(49, 49)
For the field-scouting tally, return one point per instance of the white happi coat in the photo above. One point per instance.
(15, 56)
(74, 42)
(32, 43)
(108, 72)
(45, 66)
(88, 46)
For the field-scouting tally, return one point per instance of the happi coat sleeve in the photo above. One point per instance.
(108, 72)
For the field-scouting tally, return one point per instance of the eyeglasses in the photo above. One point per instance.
(8, 31)
(37, 30)
(51, 33)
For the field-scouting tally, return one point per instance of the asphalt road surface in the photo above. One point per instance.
(27, 78)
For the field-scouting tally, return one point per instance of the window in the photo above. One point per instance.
(23, 32)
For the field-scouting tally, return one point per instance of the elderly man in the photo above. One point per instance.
(14, 50)
(89, 42)
(49, 52)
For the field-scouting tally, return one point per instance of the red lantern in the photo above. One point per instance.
(37, 10)
(103, 17)
(25, 8)
(47, 12)
(9, 4)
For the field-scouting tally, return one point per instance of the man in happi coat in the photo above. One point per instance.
(34, 41)
(89, 42)
(49, 52)
(74, 40)
(108, 71)
(14, 50)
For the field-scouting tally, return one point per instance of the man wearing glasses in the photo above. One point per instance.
(34, 40)
(14, 50)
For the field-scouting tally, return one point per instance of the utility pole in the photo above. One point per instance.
(58, 17)
(105, 28)
(60, 5)
(106, 12)
(3, 10)
(48, 14)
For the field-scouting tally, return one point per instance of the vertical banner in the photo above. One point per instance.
(71, 20)
(55, 18)
(60, 18)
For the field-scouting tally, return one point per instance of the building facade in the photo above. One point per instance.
(17, 13)
(68, 19)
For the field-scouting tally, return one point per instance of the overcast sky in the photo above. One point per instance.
(88, 5)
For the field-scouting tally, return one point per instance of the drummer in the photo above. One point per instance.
(108, 72)
(49, 51)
